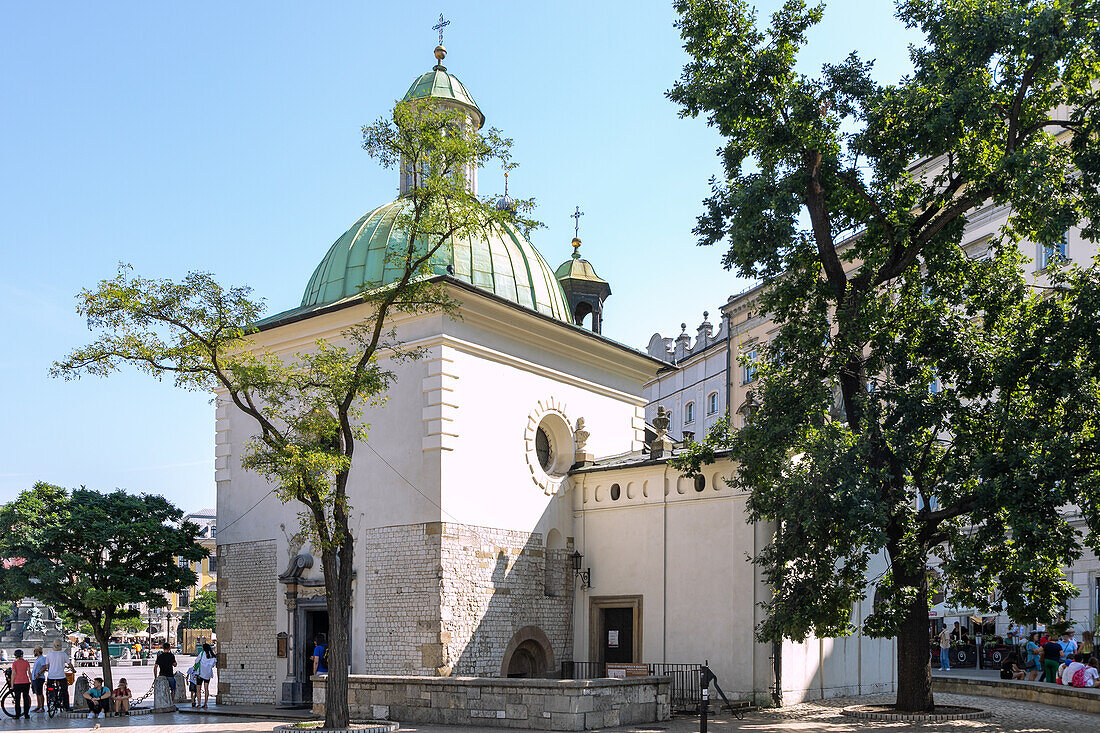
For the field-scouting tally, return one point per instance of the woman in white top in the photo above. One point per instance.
(207, 662)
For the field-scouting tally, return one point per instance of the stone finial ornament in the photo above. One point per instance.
(661, 422)
(580, 435)
(662, 445)
(580, 439)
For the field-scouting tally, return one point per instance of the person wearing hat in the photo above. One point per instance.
(57, 664)
(38, 680)
(1068, 644)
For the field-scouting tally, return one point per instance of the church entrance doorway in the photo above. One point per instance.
(313, 621)
(616, 629)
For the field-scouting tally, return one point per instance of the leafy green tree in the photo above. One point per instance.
(89, 554)
(130, 624)
(307, 409)
(200, 614)
(906, 408)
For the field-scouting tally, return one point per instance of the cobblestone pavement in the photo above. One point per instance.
(817, 717)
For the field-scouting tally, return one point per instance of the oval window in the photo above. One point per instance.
(544, 449)
(616, 492)
(700, 482)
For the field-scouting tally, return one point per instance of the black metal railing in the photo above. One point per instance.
(683, 694)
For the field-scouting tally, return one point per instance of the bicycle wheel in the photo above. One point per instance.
(7, 702)
(51, 702)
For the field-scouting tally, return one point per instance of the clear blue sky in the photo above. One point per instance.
(225, 137)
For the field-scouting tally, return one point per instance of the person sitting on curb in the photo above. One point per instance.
(98, 698)
(120, 698)
(1010, 670)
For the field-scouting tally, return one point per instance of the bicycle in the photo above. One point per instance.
(53, 693)
(7, 696)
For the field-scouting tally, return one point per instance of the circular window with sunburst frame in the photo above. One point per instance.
(550, 445)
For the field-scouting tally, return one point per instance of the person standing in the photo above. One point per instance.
(1086, 647)
(21, 684)
(57, 665)
(207, 661)
(1034, 664)
(166, 667)
(320, 654)
(38, 679)
(945, 649)
(1052, 659)
(1068, 644)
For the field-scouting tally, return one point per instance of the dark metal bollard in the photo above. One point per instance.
(704, 695)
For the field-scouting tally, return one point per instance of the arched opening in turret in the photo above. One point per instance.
(582, 311)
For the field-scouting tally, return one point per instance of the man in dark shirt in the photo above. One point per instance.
(166, 662)
(1052, 657)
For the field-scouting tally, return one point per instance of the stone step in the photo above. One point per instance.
(74, 714)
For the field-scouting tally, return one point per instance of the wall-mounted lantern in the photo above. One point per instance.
(584, 575)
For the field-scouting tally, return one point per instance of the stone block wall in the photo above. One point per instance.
(445, 598)
(401, 621)
(505, 703)
(494, 583)
(246, 608)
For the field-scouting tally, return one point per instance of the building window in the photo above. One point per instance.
(185, 598)
(712, 403)
(748, 368)
(184, 563)
(689, 413)
(1052, 254)
(212, 564)
(543, 449)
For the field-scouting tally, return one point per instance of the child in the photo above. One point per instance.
(193, 684)
(120, 698)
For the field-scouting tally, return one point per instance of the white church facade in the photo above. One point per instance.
(515, 450)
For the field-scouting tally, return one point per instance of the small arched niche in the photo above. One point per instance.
(528, 654)
(555, 565)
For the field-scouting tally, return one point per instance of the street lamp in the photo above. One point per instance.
(584, 575)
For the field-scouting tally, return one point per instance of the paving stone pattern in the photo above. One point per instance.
(246, 622)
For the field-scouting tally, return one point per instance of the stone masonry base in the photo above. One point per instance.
(505, 703)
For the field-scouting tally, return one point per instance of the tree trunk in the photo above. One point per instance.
(338, 589)
(914, 661)
(105, 652)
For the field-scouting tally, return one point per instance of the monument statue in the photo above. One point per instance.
(32, 624)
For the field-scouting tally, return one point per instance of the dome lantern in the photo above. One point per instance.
(584, 289)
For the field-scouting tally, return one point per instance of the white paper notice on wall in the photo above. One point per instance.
(613, 639)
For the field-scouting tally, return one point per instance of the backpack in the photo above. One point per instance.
(1078, 678)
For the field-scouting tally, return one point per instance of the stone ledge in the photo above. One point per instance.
(75, 714)
(1084, 699)
(514, 682)
(374, 726)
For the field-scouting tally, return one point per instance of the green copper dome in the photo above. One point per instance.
(501, 261)
(438, 84)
